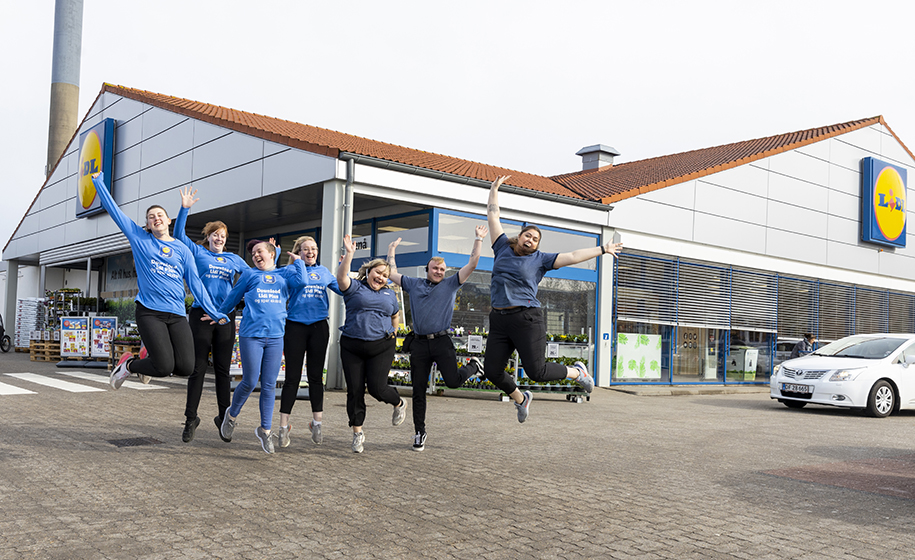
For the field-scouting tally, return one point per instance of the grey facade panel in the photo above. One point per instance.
(126, 162)
(167, 145)
(225, 152)
(230, 187)
(788, 245)
(796, 191)
(798, 219)
(165, 176)
(292, 169)
(726, 232)
(845, 255)
(155, 121)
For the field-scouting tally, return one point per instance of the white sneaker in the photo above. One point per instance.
(120, 372)
(358, 440)
(316, 435)
(282, 435)
(400, 413)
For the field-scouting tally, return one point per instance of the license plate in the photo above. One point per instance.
(793, 388)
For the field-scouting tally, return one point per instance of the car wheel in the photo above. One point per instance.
(794, 404)
(6, 343)
(882, 400)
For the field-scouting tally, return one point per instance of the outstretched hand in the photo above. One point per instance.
(348, 244)
(481, 231)
(498, 182)
(187, 197)
(612, 248)
(393, 245)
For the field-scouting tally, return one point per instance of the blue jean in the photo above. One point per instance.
(260, 359)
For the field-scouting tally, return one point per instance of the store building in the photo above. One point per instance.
(729, 250)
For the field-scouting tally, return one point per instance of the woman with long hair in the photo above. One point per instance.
(307, 334)
(515, 321)
(367, 343)
(218, 269)
(163, 265)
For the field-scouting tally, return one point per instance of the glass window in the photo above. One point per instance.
(699, 355)
(750, 356)
(565, 242)
(414, 231)
(456, 233)
(642, 352)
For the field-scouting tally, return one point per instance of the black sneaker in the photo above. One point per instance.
(190, 427)
(419, 441)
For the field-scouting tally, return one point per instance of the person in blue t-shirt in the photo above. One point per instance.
(307, 332)
(367, 342)
(516, 321)
(260, 337)
(217, 269)
(163, 265)
(432, 308)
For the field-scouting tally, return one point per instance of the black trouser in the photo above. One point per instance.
(423, 352)
(168, 341)
(221, 338)
(522, 329)
(301, 339)
(366, 363)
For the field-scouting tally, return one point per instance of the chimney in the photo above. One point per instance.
(68, 38)
(596, 156)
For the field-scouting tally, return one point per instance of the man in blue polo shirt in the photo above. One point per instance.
(432, 306)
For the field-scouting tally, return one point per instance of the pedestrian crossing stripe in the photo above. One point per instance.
(104, 379)
(55, 383)
(13, 390)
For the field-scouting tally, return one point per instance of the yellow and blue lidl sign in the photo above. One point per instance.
(96, 153)
(883, 203)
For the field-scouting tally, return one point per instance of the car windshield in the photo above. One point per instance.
(862, 347)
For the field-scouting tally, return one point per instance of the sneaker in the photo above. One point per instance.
(316, 435)
(358, 440)
(585, 380)
(265, 438)
(142, 354)
(120, 371)
(218, 421)
(524, 407)
(400, 412)
(190, 428)
(226, 428)
(282, 435)
(478, 364)
(419, 441)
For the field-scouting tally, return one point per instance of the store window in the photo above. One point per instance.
(699, 354)
(642, 352)
(412, 229)
(456, 233)
(554, 241)
(750, 356)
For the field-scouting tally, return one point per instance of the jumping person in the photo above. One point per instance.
(432, 307)
(307, 332)
(260, 337)
(367, 343)
(163, 265)
(516, 321)
(217, 271)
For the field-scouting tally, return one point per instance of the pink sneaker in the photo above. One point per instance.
(120, 372)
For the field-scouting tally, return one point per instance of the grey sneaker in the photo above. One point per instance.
(227, 428)
(358, 440)
(282, 435)
(584, 379)
(265, 438)
(316, 435)
(478, 364)
(524, 407)
(400, 412)
(144, 379)
(419, 441)
(120, 371)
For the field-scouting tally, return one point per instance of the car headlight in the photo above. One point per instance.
(776, 369)
(845, 374)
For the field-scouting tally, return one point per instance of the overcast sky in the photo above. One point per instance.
(522, 84)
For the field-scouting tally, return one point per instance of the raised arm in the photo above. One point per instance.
(395, 276)
(187, 200)
(492, 208)
(471, 265)
(343, 279)
(126, 225)
(581, 255)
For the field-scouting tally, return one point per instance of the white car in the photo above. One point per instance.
(864, 371)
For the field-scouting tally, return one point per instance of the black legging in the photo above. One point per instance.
(221, 338)
(422, 353)
(366, 363)
(524, 329)
(301, 339)
(169, 343)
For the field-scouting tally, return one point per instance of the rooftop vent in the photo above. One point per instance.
(596, 156)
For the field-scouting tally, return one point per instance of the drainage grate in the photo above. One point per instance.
(133, 442)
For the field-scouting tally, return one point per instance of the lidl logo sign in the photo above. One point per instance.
(883, 203)
(96, 153)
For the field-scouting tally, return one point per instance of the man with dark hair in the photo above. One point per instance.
(803, 347)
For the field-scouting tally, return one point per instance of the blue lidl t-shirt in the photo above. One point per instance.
(515, 279)
(368, 313)
(265, 295)
(162, 266)
(432, 305)
(217, 270)
(308, 304)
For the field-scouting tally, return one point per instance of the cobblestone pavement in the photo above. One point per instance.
(621, 476)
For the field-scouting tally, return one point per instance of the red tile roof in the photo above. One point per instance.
(331, 143)
(611, 184)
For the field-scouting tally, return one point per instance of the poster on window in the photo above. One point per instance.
(638, 356)
(74, 337)
(101, 334)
